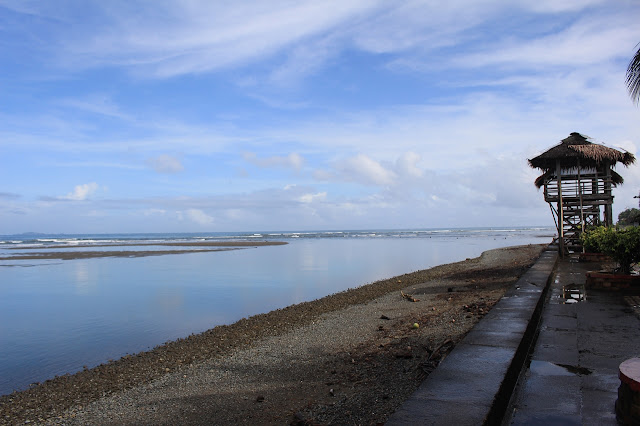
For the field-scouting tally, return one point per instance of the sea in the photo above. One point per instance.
(60, 316)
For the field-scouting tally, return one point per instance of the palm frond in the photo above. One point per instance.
(633, 78)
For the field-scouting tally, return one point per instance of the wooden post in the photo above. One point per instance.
(560, 209)
(594, 191)
(608, 208)
(581, 203)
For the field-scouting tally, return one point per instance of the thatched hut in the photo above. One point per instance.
(577, 177)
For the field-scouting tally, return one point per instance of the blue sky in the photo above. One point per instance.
(190, 116)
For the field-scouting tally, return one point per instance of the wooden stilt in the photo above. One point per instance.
(560, 209)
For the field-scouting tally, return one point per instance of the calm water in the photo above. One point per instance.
(58, 316)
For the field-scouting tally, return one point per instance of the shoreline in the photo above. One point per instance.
(51, 398)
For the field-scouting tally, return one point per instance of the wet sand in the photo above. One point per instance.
(70, 255)
(348, 358)
(167, 244)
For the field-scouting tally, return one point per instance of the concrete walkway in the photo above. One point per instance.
(535, 359)
(572, 377)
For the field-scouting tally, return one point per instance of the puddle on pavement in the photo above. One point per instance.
(572, 293)
(545, 368)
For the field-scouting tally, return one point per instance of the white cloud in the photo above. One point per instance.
(364, 169)
(628, 146)
(310, 198)
(413, 110)
(407, 164)
(624, 194)
(166, 164)
(200, 217)
(81, 192)
(154, 212)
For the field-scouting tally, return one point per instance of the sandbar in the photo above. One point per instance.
(174, 244)
(70, 255)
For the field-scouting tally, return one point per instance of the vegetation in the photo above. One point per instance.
(629, 217)
(622, 244)
(633, 77)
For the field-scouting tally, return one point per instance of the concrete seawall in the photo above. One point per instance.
(473, 385)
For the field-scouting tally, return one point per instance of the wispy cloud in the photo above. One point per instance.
(93, 164)
(96, 104)
(294, 160)
(9, 196)
(202, 36)
(582, 43)
(306, 114)
(166, 164)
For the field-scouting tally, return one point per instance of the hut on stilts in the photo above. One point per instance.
(577, 179)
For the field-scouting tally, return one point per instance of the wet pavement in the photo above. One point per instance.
(572, 376)
(547, 354)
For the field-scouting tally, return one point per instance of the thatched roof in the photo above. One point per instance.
(616, 179)
(577, 147)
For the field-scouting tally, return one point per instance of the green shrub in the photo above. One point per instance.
(622, 244)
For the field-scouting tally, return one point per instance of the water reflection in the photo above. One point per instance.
(310, 261)
(82, 282)
(573, 293)
(59, 316)
(169, 300)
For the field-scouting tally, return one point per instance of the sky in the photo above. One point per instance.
(205, 116)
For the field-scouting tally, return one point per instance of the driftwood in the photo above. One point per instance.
(409, 297)
(436, 351)
(436, 356)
